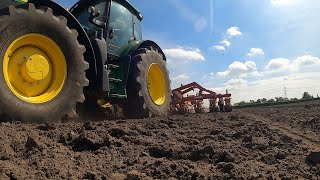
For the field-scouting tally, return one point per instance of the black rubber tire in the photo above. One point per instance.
(18, 21)
(140, 104)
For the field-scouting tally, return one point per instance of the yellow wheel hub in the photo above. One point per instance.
(34, 68)
(157, 84)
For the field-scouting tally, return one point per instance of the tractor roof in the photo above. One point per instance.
(85, 3)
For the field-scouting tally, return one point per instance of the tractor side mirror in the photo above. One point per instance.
(93, 12)
(92, 18)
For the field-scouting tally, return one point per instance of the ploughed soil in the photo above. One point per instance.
(278, 142)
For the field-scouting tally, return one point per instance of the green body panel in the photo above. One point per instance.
(126, 50)
(118, 69)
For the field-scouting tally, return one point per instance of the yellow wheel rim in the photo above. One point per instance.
(157, 84)
(34, 68)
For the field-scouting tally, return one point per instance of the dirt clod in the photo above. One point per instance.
(47, 126)
(88, 125)
(314, 157)
(31, 144)
(135, 175)
(225, 167)
(117, 132)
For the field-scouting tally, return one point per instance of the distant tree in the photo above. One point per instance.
(285, 99)
(252, 101)
(242, 103)
(306, 95)
(271, 100)
(259, 101)
(279, 99)
(317, 95)
(264, 100)
(294, 99)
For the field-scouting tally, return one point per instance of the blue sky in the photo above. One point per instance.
(253, 48)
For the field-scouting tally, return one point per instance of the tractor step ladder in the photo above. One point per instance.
(116, 81)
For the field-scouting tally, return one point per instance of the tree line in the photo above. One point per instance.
(305, 96)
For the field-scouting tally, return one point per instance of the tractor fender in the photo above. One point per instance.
(131, 48)
(83, 38)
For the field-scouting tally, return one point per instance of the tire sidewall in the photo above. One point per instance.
(153, 57)
(38, 22)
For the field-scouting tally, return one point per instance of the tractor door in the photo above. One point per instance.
(120, 28)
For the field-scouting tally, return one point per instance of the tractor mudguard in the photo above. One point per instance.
(83, 38)
(132, 47)
(100, 46)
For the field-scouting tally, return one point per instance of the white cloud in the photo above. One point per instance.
(278, 64)
(185, 54)
(218, 48)
(239, 69)
(234, 31)
(225, 43)
(306, 60)
(176, 81)
(282, 64)
(236, 83)
(255, 52)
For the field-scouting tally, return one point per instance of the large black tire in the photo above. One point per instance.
(140, 103)
(19, 21)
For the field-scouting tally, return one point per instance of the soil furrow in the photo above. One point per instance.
(312, 142)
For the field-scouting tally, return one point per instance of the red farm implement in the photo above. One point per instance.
(190, 98)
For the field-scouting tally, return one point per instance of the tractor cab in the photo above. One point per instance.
(116, 21)
(113, 26)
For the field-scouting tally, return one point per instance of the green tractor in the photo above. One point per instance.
(53, 59)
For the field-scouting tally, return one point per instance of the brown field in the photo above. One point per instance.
(255, 143)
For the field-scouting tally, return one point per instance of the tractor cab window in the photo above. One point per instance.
(83, 18)
(137, 28)
(120, 28)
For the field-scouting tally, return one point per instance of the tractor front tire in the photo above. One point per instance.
(148, 89)
(42, 67)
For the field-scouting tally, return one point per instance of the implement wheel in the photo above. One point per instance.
(149, 92)
(43, 68)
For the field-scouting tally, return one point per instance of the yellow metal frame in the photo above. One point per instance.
(35, 68)
(157, 84)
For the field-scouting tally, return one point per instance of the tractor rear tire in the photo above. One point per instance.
(148, 89)
(26, 27)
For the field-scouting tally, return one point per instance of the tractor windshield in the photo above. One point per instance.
(124, 25)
